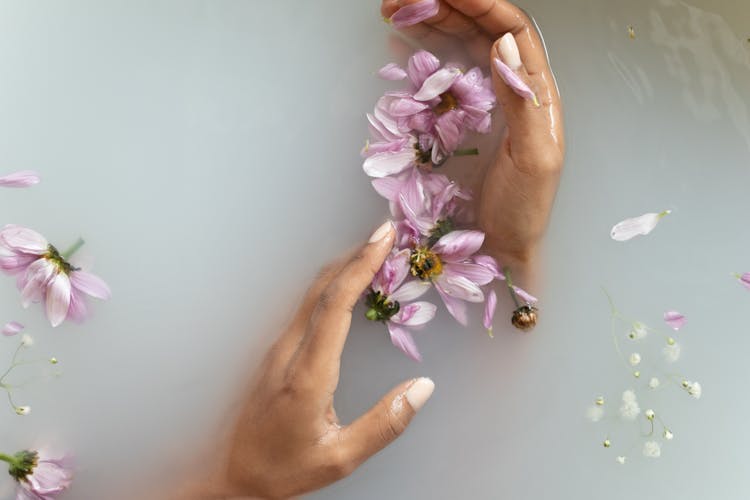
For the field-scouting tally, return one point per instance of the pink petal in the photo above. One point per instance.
(525, 296)
(491, 264)
(450, 130)
(380, 132)
(58, 299)
(22, 239)
(404, 341)
(22, 178)
(36, 279)
(384, 164)
(406, 107)
(90, 284)
(416, 314)
(674, 319)
(387, 187)
(457, 246)
(476, 273)
(456, 308)
(415, 13)
(392, 71)
(745, 280)
(421, 65)
(12, 328)
(459, 287)
(630, 228)
(437, 83)
(16, 263)
(514, 81)
(411, 290)
(490, 305)
(77, 311)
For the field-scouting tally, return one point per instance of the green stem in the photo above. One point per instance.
(466, 152)
(509, 282)
(73, 249)
(11, 460)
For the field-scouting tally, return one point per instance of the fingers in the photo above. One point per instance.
(387, 420)
(320, 351)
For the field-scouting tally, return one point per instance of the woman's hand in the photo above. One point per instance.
(520, 184)
(288, 439)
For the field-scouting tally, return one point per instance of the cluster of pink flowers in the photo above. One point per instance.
(413, 131)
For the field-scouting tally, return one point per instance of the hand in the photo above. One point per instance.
(520, 184)
(288, 439)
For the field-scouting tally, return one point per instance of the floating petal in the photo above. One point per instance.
(415, 13)
(637, 226)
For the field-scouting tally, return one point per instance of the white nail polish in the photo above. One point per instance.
(419, 392)
(381, 232)
(509, 52)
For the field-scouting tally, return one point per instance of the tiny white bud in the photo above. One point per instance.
(635, 359)
(606, 443)
(53, 360)
(668, 435)
(653, 383)
(27, 340)
(621, 459)
(651, 449)
(649, 414)
(600, 401)
(23, 410)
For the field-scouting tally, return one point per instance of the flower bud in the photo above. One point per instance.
(525, 317)
(23, 410)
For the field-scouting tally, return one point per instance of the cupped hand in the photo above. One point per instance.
(520, 184)
(288, 439)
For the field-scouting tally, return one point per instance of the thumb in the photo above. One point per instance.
(387, 420)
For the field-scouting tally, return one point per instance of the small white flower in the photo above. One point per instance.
(23, 410)
(629, 409)
(594, 413)
(649, 414)
(27, 340)
(694, 389)
(638, 332)
(621, 460)
(651, 449)
(671, 352)
(634, 359)
(653, 383)
(668, 435)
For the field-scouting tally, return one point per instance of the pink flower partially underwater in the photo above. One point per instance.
(44, 275)
(20, 179)
(387, 302)
(40, 476)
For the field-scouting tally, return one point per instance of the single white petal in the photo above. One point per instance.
(411, 290)
(437, 83)
(416, 314)
(390, 163)
(58, 298)
(630, 228)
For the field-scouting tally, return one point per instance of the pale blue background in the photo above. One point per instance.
(208, 152)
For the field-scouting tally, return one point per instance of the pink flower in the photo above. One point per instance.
(387, 302)
(44, 275)
(39, 476)
(415, 13)
(12, 328)
(22, 178)
(674, 319)
(744, 280)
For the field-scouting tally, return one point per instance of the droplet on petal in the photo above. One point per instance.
(674, 319)
(12, 328)
(637, 226)
(415, 13)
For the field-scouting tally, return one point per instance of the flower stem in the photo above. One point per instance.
(11, 460)
(73, 249)
(509, 282)
(466, 152)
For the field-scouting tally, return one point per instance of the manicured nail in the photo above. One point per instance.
(419, 392)
(509, 52)
(381, 232)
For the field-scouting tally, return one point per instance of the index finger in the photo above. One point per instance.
(320, 351)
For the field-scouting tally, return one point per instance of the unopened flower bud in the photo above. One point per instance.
(53, 360)
(27, 341)
(649, 414)
(635, 359)
(637, 374)
(668, 435)
(606, 443)
(600, 401)
(23, 410)
(525, 317)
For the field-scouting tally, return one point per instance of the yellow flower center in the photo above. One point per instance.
(425, 264)
(447, 102)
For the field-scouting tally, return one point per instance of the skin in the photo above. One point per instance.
(288, 440)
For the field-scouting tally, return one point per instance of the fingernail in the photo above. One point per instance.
(419, 392)
(509, 52)
(381, 232)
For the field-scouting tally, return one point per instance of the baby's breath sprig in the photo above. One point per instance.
(26, 342)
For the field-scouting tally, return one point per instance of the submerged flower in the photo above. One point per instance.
(634, 359)
(671, 352)
(629, 409)
(621, 460)
(387, 302)
(12, 328)
(22, 178)
(594, 413)
(693, 388)
(744, 280)
(668, 435)
(674, 319)
(415, 13)
(39, 476)
(654, 383)
(630, 228)
(44, 275)
(651, 449)
(638, 332)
